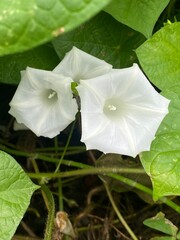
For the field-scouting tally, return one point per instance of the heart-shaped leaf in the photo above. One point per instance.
(162, 162)
(104, 38)
(160, 56)
(139, 15)
(160, 59)
(15, 192)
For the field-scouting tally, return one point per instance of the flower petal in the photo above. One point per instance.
(80, 65)
(43, 102)
(121, 112)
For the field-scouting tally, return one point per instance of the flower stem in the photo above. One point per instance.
(66, 147)
(122, 220)
(60, 192)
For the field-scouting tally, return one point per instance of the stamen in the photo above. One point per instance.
(112, 107)
(52, 94)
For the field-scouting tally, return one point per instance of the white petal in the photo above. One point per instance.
(43, 102)
(80, 65)
(121, 112)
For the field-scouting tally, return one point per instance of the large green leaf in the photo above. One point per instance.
(15, 192)
(160, 56)
(42, 57)
(160, 59)
(162, 162)
(102, 37)
(140, 15)
(25, 24)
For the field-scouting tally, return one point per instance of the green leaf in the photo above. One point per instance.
(104, 38)
(42, 57)
(141, 15)
(162, 162)
(163, 238)
(26, 24)
(15, 192)
(160, 56)
(160, 223)
(178, 235)
(160, 59)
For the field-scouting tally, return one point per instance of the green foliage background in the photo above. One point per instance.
(120, 33)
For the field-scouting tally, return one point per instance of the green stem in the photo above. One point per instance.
(65, 148)
(108, 171)
(145, 189)
(60, 149)
(121, 219)
(60, 192)
(87, 171)
(60, 195)
(49, 200)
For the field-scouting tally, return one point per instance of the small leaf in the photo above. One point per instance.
(139, 15)
(116, 161)
(178, 235)
(163, 238)
(15, 192)
(102, 37)
(42, 57)
(160, 56)
(162, 162)
(26, 24)
(160, 223)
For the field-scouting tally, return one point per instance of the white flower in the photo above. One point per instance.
(120, 112)
(78, 64)
(43, 102)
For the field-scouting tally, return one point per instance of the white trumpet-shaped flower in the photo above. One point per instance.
(120, 111)
(78, 64)
(43, 102)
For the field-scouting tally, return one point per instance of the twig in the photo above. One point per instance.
(122, 220)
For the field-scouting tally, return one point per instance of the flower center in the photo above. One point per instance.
(113, 108)
(50, 96)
